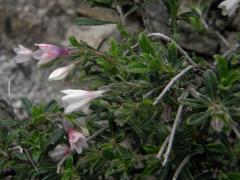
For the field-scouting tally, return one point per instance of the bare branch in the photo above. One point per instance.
(182, 164)
(59, 165)
(97, 133)
(163, 147)
(168, 39)
(166, 89)
(174, 128)
(145, 18)
(122, 17)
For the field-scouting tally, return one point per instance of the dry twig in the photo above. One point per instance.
(174, 128)
(166, 89)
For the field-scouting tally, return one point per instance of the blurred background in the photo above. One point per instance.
(43, 21)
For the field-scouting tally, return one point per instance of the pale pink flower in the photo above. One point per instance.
(229, 7)
(48, 52)
(60, 73)
(76, 140)
(77, 99)
(23, 54)
(59, 152)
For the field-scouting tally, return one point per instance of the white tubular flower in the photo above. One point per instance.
(60, 73)
(229, 7)
(59, 152)
(76, 140)
(23, 54)
(77, 99)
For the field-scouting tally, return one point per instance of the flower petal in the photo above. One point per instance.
(76, 106)
(60, 73)
(21, 58)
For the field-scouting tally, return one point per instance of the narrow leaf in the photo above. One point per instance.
(84, 21)
(210, 81)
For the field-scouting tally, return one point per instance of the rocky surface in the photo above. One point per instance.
(27, 22)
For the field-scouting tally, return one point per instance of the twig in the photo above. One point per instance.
(122, 17)
(8, 107)
(145, 18)
(29, 158)
(231, 50)
(168, 39)
(163, 147)
(182, 164)
(97, 133)
(217, 33)
(166, 89)
(17, 147)
(132, 47)
(235, 130)
(220, 36)
(9, 89)
(59, 165)
(174, 128)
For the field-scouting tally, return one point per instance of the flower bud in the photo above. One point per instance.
(229, 7)
(217, 124)
(49, 52)
(23, 54)
(77, 140)
(60, 73)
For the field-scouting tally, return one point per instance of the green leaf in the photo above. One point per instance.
(198, 118)
(217, 148)
(222, 67)
(210, 81)
(194, 103)
(27, 105)
(172, 54)
(56, 135)
(150, 149)
(138, 68)
(9, 122)
(74, 42)
(145, 44)
(69, 163)
(187, 15)
(51, 106)
(233, 176)
(123, 30)
(84, 21)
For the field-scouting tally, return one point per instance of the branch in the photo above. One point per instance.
(182, 164)
(122, 17)
(166, 89)
(163, 147)
(145, 18)
(97, 133)
(217, 33)
(235, 130)
(168, 39)
(59, 165)
(174, 128)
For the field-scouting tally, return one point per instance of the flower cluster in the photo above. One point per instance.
(73, 100)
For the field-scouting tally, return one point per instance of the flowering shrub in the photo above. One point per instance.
(150, 109)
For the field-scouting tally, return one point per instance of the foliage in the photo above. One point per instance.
(137, 127)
